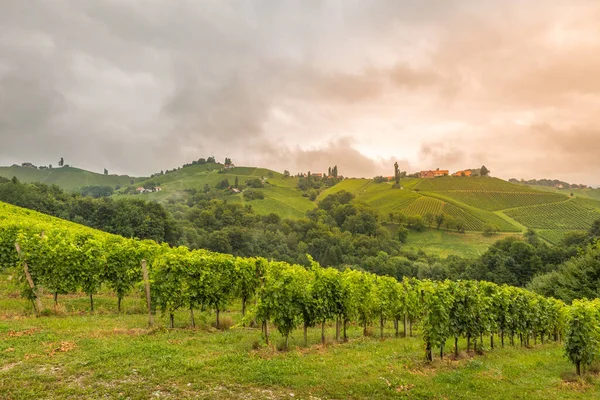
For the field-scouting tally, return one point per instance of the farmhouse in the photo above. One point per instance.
(229, 166)
(318, 174)
(142, 189)
(434, 174)
(466, 172)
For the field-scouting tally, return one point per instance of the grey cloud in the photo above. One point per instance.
(139, 86)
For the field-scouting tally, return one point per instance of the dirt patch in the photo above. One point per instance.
(18, 334)
(493, 373)
(10, 366)
(577, 386)
(64, 347)
(121, 331)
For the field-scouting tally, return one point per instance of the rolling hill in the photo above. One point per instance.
(281, 195)
(479, 201)
(476, 201)
(68, 178)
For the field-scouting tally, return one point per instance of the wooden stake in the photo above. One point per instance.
(38, 302)
(147, 286)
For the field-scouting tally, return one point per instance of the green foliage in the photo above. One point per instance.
(253, 194)
(582, 341)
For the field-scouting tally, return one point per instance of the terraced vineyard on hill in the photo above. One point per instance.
(567, 215)
(479, 201)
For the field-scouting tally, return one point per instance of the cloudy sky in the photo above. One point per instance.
(137, 86)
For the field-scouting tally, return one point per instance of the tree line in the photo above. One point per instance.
(338, 233)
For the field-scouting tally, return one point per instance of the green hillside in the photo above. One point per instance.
(68, 178)
(480, 201)
(476, 202)
(586, 193)
(281, 195)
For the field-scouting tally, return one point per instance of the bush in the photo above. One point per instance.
(255, 183)
(225, 323)
(250, 194)
(402, 234)
(490, 230)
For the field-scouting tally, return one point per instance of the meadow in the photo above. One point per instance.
(78, 354)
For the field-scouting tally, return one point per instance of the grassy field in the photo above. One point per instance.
(281, 195)
(68, 178)
(76, 355)
(444, 243)
(280, 200)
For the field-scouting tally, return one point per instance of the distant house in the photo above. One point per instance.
(390, 178)
(434, 174)
(235, 190)
(229, 166)
(466, 172)
(156, 189)
(140, 190)
(318, 174)
(559, 186)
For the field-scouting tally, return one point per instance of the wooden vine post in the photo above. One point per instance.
(38, 302)
(147, 287)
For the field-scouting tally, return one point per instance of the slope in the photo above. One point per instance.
(281, 195)
(67, 178)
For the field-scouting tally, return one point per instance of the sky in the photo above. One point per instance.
(139, 86)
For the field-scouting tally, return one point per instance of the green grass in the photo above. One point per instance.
(445, 243)
(104, 355)
(279, 200)
(354, 186)
(281, 195)
(68, 178)
(574, 214)
(552, 236)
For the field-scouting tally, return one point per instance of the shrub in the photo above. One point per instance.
(250, 194)
(490, 230)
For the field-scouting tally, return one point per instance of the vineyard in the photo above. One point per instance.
(475, 202)
(424, 205)
(569, 215)
(552, 236)
(495, 201)
(64, 258)
(485, 184)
